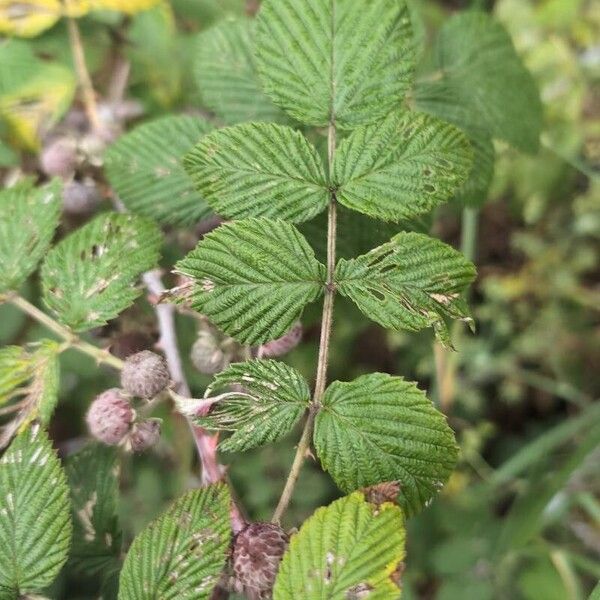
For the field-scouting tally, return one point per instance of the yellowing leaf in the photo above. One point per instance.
(126, 6)
(28, 18)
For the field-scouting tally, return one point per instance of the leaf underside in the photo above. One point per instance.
(381, 428)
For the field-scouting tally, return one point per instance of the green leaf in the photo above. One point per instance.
(28, 218)
(43, 389)
(335, 61)
(380, 428)
(482, 85)
(401, 167)
(348, 550)
(88, 277)
(259, 170)
(181, 554)
(474, 191)
(252, 278)
(412, 282)
(14, 370)
(35, 524)
(94, 485)
(262, 401)
(144, 168)
(225, 74)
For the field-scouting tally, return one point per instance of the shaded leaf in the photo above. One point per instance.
(381, 428)
(259, 170)
(474, 191)
(14, 370)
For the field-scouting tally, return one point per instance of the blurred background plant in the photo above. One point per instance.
(520, 518)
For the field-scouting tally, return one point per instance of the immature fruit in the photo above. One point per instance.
(144, 435)
(145, 374)
(80, 198)
(59, 158)
(109, 417)
(286, 343)
(257, 552)
(206, 354)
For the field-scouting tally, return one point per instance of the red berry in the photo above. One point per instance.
(109, 417)
(145, 374)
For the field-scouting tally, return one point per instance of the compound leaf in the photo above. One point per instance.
(335, 61)
(259, 170)
(88, 277)
(483, 85)
(181, 554)
(225, 74)
(35, 523)
(252, 278)
(262, 401)
(144, 167)
(28, 218)
(333, 555)
(411, 282)
(381, 428)
(401, 167)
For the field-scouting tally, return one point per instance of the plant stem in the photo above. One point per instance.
(99, 354)
(324, 342)
(83, 75)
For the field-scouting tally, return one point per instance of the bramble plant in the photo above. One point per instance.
(322, 116)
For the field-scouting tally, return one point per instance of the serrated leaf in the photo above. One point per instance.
(93, 481)
(252, 278)
(474, 191)
(28, 218)
(402, 167)
(412, 283)
(88, 277)
(351, 549)
(144, 167)
(381, 428)
(181, 554)
(14, 370)
(482, 85)
(225, 74)
(262, 401)
(335, 61)
(35, 523)
(259, 170)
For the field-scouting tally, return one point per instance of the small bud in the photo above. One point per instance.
(80, 198)
(257, 552)
(144, 435)
(145, 374)
(59, 158)
(109, 417)
(286, 343)
(206, 354)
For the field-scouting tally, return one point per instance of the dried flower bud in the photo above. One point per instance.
(144, 435)
(145, 374)
(206, 354)
(257, 552)
(382, 492)
(286, 343)
(80, 198)
(59, 158)
(109, 417)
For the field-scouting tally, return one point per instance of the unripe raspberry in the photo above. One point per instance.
(59, 158)
(145, 374)
(109, 417)
(80, 198)
(206, 354)
(144, 435)
(257, 552)
(286, 343)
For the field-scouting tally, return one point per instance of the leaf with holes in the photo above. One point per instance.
(144, 168)
(258, 401)
(335, 61)
(259, 170)
(482, 86)
(28, 218)
(333, 556)
(380, 428)
(181, 554)
(225, 74)
(35, 523)
(93, 482)
(88, 277)
(252, 278)
(412, 282)
(402, 167)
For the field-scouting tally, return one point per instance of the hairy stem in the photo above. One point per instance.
(72, 340)
(324, 342)
(85, 81)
